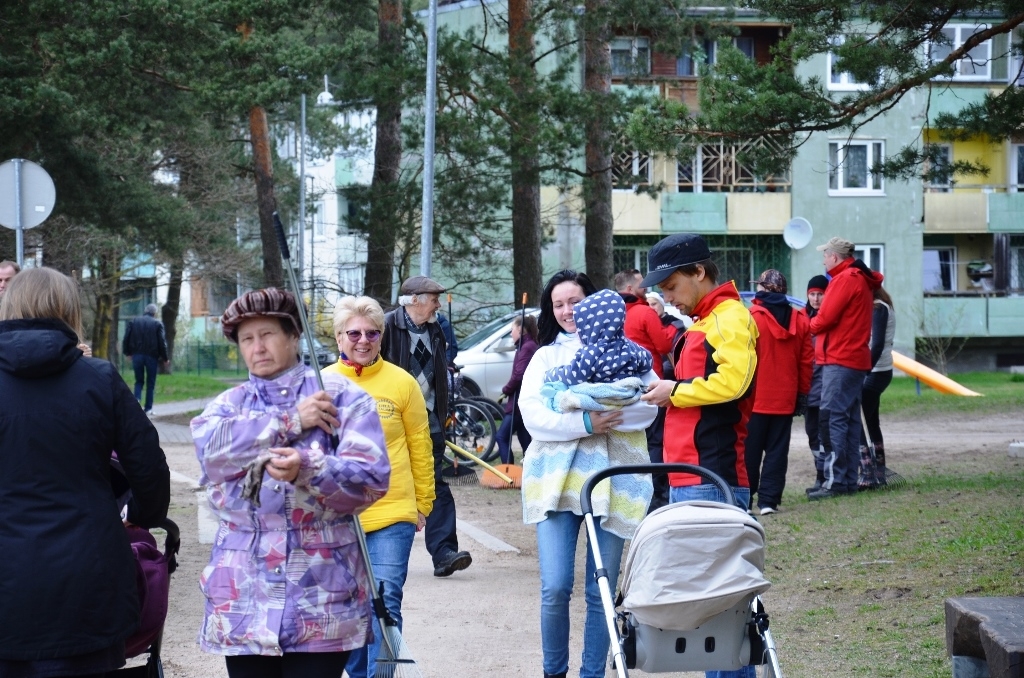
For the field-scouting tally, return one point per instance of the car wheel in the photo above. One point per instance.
(469, 389)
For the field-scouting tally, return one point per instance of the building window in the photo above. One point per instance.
(943, 159)
(1016, 268)
(745, 45)
(319, 219)
(841, 80)
(631, 56)
(976, 64)
(627, 258)
(872, 255)
(1017, 167)
(631, 169)
(851, 167)
(719, 168)
(938, 269)
(688, 63)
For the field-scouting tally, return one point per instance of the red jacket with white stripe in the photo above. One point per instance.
(784, 357)
(843, 323)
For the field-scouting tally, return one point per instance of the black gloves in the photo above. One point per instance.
(801, 405)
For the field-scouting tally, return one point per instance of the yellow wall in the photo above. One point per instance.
(992, 155)
(764, 213)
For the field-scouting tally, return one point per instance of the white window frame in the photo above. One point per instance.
(875, 149)
(947, 185)
(635, 171)
(1016, 168)
(634, 44)
(845, 83)
(961, 33)
(320, 220)
(865, 253)
(952, 267)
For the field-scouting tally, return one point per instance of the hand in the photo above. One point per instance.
(86, 351)
(421, 521)
(603, 422)
(285, 466)
(659, 393)
(801, 405)
(317, 411)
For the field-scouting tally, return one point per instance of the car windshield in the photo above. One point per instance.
(484, 332)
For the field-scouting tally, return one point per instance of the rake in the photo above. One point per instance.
(394, 660)
(893, 480)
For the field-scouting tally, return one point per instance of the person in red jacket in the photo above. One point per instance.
(643, 325)
(784, 374)
(842, 328)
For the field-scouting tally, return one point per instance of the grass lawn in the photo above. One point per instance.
(1002, 392)
(175, 387)
(860, 582)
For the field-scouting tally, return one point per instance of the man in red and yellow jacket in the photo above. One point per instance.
(784, 357)
(842, 329)
(710, 398)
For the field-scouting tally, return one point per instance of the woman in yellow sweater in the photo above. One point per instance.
(393, 521)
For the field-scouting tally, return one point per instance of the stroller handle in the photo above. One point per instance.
(592, 481)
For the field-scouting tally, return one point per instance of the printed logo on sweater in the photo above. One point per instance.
(386, 409)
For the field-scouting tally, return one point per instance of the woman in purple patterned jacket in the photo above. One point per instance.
(285, 589)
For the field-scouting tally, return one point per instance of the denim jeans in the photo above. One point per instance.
(145, 370)
(708, 492)
(556, 549)
(840, 395)
(712, 493)
(389, 549)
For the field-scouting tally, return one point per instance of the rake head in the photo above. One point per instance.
(459, 475)
(402, 665)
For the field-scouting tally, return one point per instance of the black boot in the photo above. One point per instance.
(555, 675)
(879, 464)
(867, 469)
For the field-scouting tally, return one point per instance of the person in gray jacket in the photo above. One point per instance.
(144, 344)
(883, 332)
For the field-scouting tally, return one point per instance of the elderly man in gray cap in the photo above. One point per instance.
(144, 344)
(414, 341)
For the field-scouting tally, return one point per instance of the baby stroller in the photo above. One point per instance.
(690, 593)
(153, 570)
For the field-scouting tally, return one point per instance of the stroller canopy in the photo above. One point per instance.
(689, 561)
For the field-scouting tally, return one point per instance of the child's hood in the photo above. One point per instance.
(600, 317)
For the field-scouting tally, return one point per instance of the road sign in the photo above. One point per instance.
(27, 196)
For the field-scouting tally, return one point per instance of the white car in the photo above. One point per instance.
(486, 355)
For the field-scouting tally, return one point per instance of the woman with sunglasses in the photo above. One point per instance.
(392, 522)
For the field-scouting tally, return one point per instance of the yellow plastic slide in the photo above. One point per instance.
(929, 376)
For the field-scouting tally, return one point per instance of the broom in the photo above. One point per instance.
(394, 660)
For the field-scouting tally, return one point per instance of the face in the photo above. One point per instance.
(637, 289)
(683, 291)
(6, 273)
(563, 297)
(830, 260)
(517, 331)
(266, 348)
(814, 299)
(358, 346)
(425, 310)
(656, 305)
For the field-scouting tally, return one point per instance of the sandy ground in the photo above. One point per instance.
(485, 621)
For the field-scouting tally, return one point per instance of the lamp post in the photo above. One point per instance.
(302, 191)
(427, 235)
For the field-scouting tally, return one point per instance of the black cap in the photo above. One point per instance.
(818, 282)
(672, 253)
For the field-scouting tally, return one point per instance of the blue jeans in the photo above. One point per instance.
(556, 549)
(712, 493)
(840, 395)
(389, 549)
(145, 370)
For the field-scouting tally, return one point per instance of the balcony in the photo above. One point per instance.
(972, 316)
(974, 209)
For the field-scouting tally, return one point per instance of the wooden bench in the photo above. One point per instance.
(985, 636)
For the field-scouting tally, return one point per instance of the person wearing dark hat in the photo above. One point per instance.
(414, 341)
(815, 420)
(283, 587)
(711, 394)
(843, 329)
(144, 344)
(784, 358)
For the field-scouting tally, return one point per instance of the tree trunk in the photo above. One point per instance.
(169, 313)
(527, 263)
(387, 158)
(259, 133)
(597, 82)
(101, 329)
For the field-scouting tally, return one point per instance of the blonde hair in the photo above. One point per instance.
(351, 307)
(43, 293)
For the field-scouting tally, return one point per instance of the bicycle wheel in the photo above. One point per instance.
(471, 427)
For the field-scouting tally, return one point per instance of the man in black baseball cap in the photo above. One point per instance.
(709, 397)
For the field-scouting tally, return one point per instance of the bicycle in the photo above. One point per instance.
(471, 426)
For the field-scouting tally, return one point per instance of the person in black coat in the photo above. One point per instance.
(67, 575)
(145, 345)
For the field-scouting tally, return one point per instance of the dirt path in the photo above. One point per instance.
(484, 621)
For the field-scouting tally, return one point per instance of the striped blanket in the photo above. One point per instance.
(554, 472)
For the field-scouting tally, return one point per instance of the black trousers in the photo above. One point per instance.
(439, 533)
(870, 400)
(768, 443)
(656, 452)
(289, 665)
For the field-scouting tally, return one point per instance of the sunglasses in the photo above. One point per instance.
(355, 335)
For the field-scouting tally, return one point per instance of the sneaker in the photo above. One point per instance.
(814, 488)
(149, 413)
(825, 493)
(768, 510)
(452, 562)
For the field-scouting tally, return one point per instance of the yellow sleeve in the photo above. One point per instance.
(732, 336)
(421, 448)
